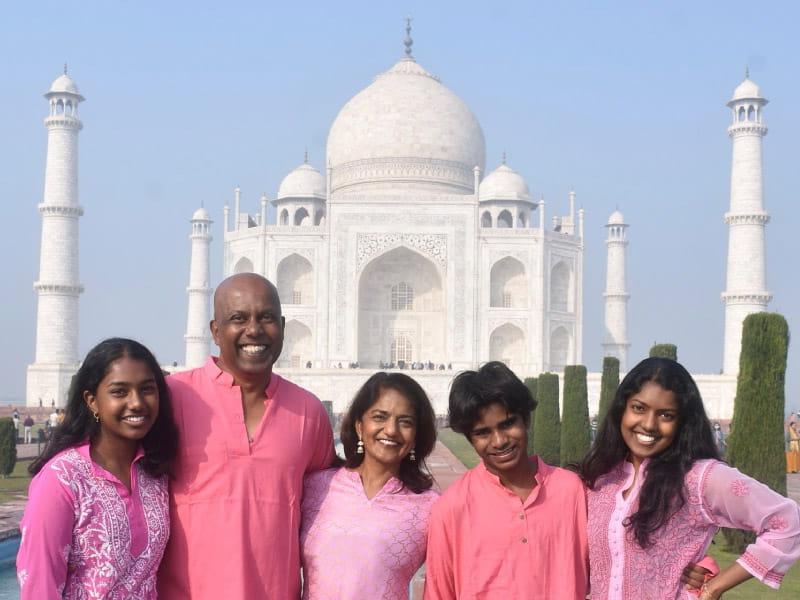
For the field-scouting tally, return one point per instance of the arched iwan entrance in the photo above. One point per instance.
(295, 280)
(507, 344)
(297, 345)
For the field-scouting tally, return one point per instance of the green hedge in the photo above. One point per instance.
(547, 428)
(756, 442)
(575, 435)
(608, 386)
(8, 446)
(530, 383)
(664, 351)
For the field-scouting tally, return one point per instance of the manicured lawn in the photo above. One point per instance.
(752, 590)
(16, 484)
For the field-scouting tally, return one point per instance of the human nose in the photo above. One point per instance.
(390, 427)
(135, 399)
(649, 422)
(252, 326)
(499, 438)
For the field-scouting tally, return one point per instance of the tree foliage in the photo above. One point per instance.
(609, 383)
(575, 435)
(664, 351)
(756, 442)
(8, 446)
(530, 383)
(547, 427)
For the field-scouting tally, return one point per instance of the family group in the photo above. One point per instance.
(223, 482)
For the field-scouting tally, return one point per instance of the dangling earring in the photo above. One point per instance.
(96, 417)
(412, 455)
(360, 447)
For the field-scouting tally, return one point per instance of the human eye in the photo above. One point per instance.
(407, 422)
(237, 318)
(668, 416)
(480, 433)
(637, 408)
(118, 392)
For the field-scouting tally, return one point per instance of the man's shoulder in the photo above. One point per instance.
(563, 477)
(292, 392)
(458, 493)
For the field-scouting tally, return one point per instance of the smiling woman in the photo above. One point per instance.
(381, 495)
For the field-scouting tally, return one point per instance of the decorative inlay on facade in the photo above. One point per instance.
(57, 288)
(199, 290)
(432, 245)
(751, 298)
(412, 169)
(615, 296)
(749, 128)
(746, 219)
(497, 255)
(62, 121)
(499, 322)
(60, 211)
(307, 253)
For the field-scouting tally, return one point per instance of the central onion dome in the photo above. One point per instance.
(405, 128)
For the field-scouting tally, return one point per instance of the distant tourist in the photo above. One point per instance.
(97, 518)
(657, 493)
(512, 527)
(15, 419)
(28, 428)
(365, 523)
(52, 420)
(248, 436)
(719, 439)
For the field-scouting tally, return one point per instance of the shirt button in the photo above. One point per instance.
(524, 540)
(522, 516)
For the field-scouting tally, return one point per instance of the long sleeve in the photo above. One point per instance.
(46, 538)
(732, 499)
(439, 569)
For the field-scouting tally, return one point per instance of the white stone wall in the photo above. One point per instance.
(615, 338)
(198, 336)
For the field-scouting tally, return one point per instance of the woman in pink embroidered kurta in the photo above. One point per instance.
(657, 493)
(364, 527)
(97, 518)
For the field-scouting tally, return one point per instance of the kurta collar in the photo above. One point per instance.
(99, 471)
(224, 378)
(543, 471)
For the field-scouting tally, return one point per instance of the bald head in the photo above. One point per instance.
(236, 284)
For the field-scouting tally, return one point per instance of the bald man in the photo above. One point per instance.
(248, 437)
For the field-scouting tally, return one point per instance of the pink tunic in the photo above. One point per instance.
(354, 548)
(236, 504)
(84, 535)
(716, 496)
(484, 542)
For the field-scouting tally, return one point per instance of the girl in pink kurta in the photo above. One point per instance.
(364, 524)
(97, 518)
(657, 493)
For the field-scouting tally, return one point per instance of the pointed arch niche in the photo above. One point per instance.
(508, 284)
(298, 347)
(507, 344)
(295, 280)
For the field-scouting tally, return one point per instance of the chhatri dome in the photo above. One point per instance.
(616, 218)
(746, 90)
(64, 85)
(303, 182)
(201, 214)
(504, 183)
(406, 127)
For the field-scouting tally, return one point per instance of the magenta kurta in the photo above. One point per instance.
(236, 503)
(84, 535)
(716, 496)
(484, 542)
(355, 548)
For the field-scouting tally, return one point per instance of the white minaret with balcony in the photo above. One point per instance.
(615, 339)
(198, 336)
(58, 286)
(746, 287)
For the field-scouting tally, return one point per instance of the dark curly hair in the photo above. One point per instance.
(160, 445)
(413, 474)
(473, 391)
(662, 492)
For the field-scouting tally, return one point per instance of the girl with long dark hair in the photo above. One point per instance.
(657, 493)
(97, 518)
(364, 527)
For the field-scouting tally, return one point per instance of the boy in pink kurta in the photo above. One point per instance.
(236, 502)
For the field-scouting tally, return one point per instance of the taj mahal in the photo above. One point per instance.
(405, 250)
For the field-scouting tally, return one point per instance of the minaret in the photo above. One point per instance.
(746, 287)
(198, 336)
(58, 287)
(615, 340)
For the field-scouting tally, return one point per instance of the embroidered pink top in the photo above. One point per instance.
(483, 542)
(236, 504)
(716, 496)
(84, 535)
(352, 547)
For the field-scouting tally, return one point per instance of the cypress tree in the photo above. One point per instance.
(609, 383)
(575, 437)
(547, 428)
(664, 351)
(530, 383)
(8, 446)
(756, 444)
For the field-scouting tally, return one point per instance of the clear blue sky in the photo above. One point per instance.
(623, 100)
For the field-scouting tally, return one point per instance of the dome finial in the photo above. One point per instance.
(408, 42)
(504, 157)
(747, 71)
(65, 68)
(305, 156)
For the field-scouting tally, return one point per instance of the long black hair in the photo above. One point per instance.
(161, 442)
(413, 473)
(662, 492)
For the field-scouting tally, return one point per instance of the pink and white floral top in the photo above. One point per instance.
(716, 496)
(85, 536)
(353, 547)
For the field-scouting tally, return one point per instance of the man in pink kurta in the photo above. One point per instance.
(513, 527)
(247, 438)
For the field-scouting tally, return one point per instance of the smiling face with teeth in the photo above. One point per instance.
(126, 402)
(650, 422)
(247, 327)
(501, 440)
(388, 429)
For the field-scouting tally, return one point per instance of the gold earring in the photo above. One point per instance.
(96, 417)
